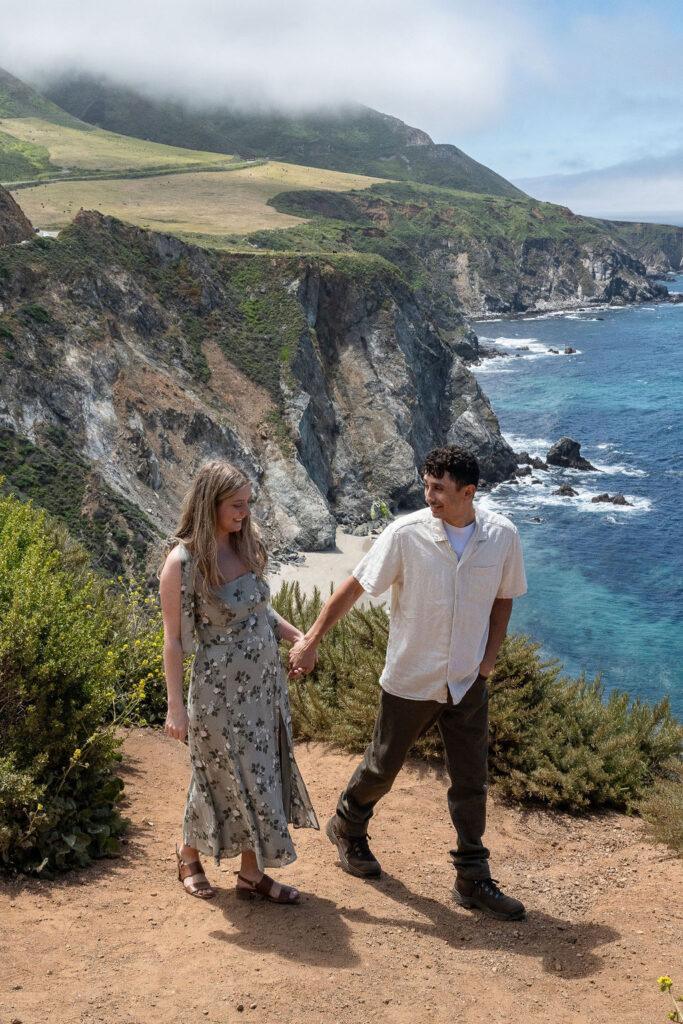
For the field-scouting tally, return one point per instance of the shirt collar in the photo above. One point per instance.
(438, 531)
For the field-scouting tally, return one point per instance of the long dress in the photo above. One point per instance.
(245, 786)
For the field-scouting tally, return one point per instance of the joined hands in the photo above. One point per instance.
(303, 657)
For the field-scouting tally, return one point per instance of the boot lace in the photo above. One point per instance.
(490, 887)
(360, 848)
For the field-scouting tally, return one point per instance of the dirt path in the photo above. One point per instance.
(121, 942)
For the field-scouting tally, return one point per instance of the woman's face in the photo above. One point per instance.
(231, 512)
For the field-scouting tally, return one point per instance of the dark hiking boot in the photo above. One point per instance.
(354, 853)
(485, 894)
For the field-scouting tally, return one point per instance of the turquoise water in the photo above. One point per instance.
(605, 582)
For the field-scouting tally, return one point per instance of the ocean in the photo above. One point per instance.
(605, 581)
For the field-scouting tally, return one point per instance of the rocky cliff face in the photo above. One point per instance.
(543, 274)
(127, 358)
(378, 387)
(658, 246)
(14, 224)
(480, 254)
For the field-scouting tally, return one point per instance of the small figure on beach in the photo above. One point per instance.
(454, 570)
(245, 786)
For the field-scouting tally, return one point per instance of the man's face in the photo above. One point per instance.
(447, 501)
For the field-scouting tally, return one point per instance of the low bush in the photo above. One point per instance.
(566, 744)
(137, 646)
(662, 806)
(58, 786)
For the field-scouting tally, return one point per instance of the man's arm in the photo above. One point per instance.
(498, 624)
(303, 654)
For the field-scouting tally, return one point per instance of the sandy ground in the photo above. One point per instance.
(122, 942)
(321, 568)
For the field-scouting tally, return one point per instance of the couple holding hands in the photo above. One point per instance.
(453, 570)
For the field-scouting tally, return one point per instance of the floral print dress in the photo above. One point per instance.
(245, 786)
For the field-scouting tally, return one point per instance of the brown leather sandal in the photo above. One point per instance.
(264, 887)
(202, 890)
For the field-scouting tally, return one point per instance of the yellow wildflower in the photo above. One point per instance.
(664, 982)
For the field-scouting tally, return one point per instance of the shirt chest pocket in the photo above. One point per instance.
(482, 583)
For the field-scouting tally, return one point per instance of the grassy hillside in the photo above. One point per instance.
(19, 100)
(206, 206)
(90, 149)
(355, 139)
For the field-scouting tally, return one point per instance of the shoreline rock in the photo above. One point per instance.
(617, 499)
(565, 491)
(566, 453)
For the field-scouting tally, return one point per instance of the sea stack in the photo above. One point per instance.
(566, 453)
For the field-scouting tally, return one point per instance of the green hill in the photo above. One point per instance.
(356, 139)
(19, 100)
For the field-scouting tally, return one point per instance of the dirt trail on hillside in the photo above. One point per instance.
(121, 942)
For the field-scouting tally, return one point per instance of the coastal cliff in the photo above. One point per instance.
(658, 246)
(129, 357)
(477, 254)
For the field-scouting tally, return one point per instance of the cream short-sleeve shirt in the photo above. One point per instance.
(440, 604)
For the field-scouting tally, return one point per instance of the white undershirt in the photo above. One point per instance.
(458, 536)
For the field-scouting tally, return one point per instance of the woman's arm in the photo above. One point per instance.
(169, 591)
(286, 630)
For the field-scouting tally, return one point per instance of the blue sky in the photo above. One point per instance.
(602, 129)
(546, 93)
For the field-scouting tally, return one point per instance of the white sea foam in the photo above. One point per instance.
(524, 497)
(534, 348)
(536, 446)
(618, 470)
(501, 365)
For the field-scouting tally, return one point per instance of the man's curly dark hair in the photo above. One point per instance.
(454, 460)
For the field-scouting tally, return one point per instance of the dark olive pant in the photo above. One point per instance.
(464, 731)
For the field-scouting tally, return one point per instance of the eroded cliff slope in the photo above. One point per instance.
(128, 358)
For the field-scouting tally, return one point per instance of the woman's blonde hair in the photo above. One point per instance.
(196, 528)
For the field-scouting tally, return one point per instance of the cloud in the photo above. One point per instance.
(652, 186)
(439, 63)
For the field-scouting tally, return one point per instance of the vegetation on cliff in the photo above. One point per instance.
(56, 477)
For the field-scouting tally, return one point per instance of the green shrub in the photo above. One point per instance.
(138, 662)
(58, 788)
(34, 311)
(662, 806)
(560, 742)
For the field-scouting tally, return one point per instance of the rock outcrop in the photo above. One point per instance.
(565, 491)
(14, 224)
(616, 499)
(566, 453)
(324, 378)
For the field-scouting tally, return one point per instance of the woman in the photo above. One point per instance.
(245, 784)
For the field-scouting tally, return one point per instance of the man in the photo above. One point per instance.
(453, 572)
